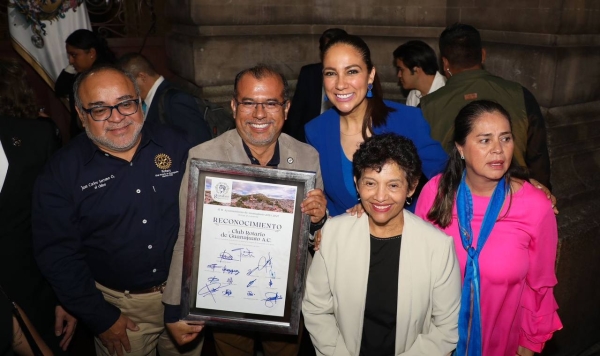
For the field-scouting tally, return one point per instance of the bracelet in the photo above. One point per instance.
(314, 227)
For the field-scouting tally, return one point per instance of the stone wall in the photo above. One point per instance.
(552, 47)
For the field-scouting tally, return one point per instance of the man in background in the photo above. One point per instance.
(309, 98)
(162, 102)
(417, 68)
(463, 57)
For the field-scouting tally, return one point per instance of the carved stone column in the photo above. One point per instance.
(552, 47)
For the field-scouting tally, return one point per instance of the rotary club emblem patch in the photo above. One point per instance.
(162, 161)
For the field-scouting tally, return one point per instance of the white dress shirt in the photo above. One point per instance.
(414, 97)
(152, 91)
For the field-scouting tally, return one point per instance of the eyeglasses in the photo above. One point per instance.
(269, 106)
(103, 113)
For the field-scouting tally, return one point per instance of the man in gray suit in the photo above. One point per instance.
(260, 106)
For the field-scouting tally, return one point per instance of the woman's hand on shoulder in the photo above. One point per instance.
(357, 210)
(546, 191)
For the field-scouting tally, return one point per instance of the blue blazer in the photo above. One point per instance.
(323, 133)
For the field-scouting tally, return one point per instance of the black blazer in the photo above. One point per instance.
(306, 104)
(28, 144)
(182, 111)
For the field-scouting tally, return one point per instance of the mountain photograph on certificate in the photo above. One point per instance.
(251, 195)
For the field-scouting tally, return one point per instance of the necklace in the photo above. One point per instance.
(354, 134)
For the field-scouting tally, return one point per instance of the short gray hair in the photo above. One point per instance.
(83, 76)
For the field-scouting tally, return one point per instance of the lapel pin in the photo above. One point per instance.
(290, 160)
(16, 142)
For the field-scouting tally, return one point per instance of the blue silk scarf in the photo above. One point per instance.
(469, 320)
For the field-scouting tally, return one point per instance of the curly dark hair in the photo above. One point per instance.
(378, 150)
(16, 95)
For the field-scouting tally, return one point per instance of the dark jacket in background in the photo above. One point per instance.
(529, 131)
(28, 144)
(181, 110)
(306, 104)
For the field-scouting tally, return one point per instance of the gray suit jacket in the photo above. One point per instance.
(228, 147)
(429, 288)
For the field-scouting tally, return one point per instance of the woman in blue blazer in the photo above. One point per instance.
(352, 86)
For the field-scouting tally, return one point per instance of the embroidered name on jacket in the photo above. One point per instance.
(97, 184)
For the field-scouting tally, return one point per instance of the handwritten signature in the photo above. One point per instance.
(230, 271)
(239, 252)
(213, 266)
(243, 252)
(251, 283)
(210, 289)
(225, 256)
(264, 263)
(271, 299)
(223, 268)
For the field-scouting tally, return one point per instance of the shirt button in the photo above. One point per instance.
(138, 191)
(106, 154)
(154, 270)
(144, 221)
(149, 247)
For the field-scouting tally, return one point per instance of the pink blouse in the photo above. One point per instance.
(517, 268)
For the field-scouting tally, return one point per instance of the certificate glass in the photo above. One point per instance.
(246, 246)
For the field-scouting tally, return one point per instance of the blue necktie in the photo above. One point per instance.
(144, 107)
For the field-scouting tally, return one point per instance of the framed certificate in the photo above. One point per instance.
(246, 244)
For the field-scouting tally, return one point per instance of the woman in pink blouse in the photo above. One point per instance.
(505, 236)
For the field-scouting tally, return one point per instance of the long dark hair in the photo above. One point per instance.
(377, 112)
(17, 99)
(86, 40)
(441, 211)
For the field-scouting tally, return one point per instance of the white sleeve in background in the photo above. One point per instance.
(413, 98)
(3, 166)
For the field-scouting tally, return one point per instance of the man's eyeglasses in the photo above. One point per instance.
(269, 106)
(103, 113)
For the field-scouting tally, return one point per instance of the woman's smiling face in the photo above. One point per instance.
(383, 194)
(346, 77)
